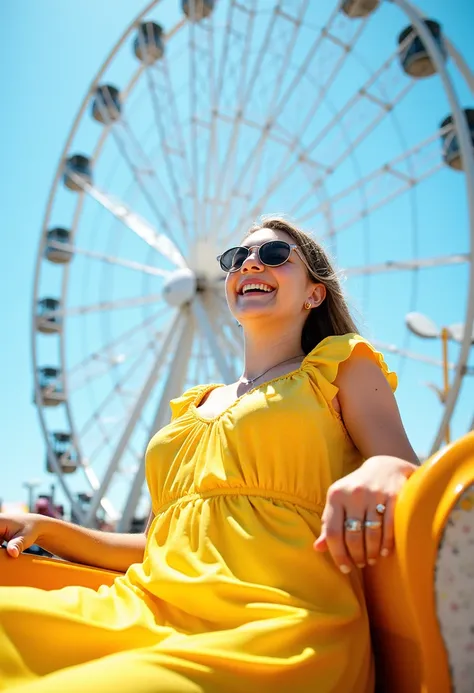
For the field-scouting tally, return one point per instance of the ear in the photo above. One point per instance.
(318, 295)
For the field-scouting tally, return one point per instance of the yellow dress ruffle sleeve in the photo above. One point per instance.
(230, 595)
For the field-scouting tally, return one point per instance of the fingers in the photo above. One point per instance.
(355, 539)
(372, 533)
(332, 533)
(388, 537)
(15, 546)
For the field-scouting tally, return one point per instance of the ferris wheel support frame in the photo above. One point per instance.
(172, 388)
(147, 389)
(467, 157)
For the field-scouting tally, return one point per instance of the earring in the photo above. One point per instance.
(307, 305)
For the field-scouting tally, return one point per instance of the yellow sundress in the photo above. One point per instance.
(230, 596)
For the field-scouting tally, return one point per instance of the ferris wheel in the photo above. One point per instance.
(346, 116)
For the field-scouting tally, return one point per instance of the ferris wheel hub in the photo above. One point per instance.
(180, 288)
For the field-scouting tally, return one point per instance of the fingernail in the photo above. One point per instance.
(344, 569)
(384, 553)
(371, 561)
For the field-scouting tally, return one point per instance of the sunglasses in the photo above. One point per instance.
(271, 253)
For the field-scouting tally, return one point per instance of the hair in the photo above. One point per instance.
(332, 316)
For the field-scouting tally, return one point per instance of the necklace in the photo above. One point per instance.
(250, 381)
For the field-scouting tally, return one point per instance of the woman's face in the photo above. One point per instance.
(287, 287)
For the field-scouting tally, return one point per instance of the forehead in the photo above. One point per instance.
(263, 235)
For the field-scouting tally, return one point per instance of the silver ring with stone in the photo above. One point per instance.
(380, 508)
(353, 525)
(373, 524)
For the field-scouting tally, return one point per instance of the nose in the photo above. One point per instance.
(252, 263)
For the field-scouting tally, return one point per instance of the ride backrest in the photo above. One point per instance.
(421, 599)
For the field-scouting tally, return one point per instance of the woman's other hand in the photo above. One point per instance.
(367, 495)
(20, 532)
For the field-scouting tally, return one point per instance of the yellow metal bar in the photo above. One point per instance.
(444, 342)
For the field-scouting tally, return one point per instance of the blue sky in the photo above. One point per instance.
(49, 54)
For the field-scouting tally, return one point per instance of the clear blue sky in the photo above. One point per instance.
(49, 53)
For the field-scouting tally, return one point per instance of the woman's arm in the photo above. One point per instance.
(369, 409)
(107, 550)
(371, 417)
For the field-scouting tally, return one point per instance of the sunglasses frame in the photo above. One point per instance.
(291, 246)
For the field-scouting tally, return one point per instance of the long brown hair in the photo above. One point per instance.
(332, 316)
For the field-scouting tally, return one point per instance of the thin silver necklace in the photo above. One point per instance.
(250, 381)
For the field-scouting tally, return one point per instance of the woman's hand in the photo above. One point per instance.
(378, 481)
(20, 532)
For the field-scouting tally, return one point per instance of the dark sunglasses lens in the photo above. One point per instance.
(233, 259)
(274, 253)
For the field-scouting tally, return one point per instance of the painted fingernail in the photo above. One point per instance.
(384, 553)
(371, 561)
(344, 569)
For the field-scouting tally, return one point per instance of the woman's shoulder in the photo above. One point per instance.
(180, 405)
(331, 352)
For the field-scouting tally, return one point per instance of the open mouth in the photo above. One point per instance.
(255, 289)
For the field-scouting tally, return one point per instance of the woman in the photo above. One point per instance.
(264, 512)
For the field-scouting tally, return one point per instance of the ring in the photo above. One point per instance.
(380, 508)
(352, 525)
(373, 524)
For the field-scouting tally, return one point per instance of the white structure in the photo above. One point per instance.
(235, 110)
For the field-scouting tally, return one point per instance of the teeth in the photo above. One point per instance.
(251, 287)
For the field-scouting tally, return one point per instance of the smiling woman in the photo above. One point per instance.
(269, 496)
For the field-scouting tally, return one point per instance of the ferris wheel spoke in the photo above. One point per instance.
(199, 355)
(159, 241)
(216, 84)
(109, 259)
(254, 158)
(173, 386)
(388, 77)
(217, 115)
(422, 358)
(147, 178)
(175, 118)
(295, 154)
(167, 147)
(353, 114)
(245, 89)
(233, 345)
(118, 389)
(129, 428)
(102, 364)
(201, 72)
(380, 186)
(105, 306)
(207, 330)
(105, 353)
(219, 319)
(416, 156)
(194, 121)
(421, 263)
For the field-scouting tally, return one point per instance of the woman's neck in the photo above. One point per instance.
(263, 351)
